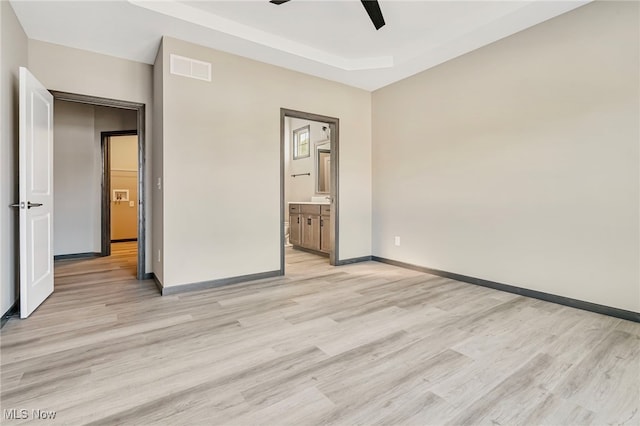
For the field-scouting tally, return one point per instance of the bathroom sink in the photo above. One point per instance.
(310, 202)
(323, 199)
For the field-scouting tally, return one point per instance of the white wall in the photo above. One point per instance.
(78, 172)
(13, 54)
(301, 188)
(519, 162)
(124, 152)
(77, 71)
(157, 201)
(222, 164)
(76, 188)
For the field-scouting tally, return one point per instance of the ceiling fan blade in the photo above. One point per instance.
(278, 1)
(373, 9)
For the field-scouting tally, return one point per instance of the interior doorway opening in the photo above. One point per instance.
(133, 193)
(309, 187)
(119, 193)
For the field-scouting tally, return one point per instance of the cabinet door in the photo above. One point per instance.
(325, 234)
(295, 229)
(311, 232)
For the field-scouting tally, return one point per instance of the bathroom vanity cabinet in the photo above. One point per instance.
(325, 228)
(309, 226)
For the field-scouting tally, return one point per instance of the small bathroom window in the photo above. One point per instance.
(301, 143)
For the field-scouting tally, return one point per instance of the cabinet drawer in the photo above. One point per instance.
(325, 210)
(310, 208)
(294, 208)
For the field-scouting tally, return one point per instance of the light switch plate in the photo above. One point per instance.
(131, 203)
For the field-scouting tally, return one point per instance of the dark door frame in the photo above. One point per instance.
(105, 149)
(141, 131)
(334, 126)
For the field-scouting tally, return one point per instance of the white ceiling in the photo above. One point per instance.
(330, 39)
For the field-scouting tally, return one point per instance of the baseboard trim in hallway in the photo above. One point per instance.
(547, 297)
(76, 256)
(124, 240)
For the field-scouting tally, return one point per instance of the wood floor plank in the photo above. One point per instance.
(365, 343)
(382, 389)
(561, 411)
(613, 364)
(510, 400)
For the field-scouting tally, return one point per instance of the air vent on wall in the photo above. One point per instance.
(191, 68)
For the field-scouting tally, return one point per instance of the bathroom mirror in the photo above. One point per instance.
(323, 168)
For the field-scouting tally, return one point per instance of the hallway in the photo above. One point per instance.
(87, 285)
(121, 263)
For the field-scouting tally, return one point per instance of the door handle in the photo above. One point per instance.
(29, 205)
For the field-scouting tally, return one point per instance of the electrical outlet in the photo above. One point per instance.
(158, 255)
(397, 241)
(131, 204)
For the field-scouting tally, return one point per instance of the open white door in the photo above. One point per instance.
(36, 193)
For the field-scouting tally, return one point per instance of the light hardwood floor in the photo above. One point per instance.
(360, 344)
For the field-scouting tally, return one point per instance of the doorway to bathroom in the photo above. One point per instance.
(309, 189)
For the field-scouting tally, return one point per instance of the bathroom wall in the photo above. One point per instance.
(301, 188)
